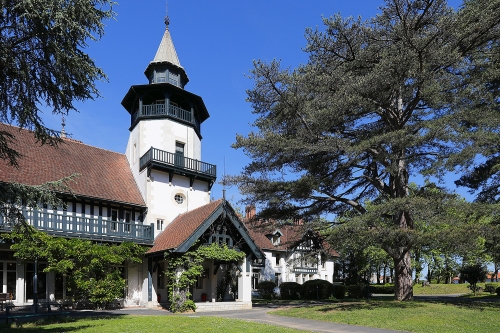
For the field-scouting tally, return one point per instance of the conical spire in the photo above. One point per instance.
(166, 51)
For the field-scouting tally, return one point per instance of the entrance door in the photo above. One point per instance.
(179, 154)
(41, 278)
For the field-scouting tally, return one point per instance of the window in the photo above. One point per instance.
(277, 260)
(114, 218)
(179, 154)
(128, 219)
(179, 198)
(159, 224)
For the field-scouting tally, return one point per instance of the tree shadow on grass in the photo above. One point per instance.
(469, 304)
(369, 305)
(38, 325)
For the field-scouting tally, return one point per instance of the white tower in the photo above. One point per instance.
(164, 146)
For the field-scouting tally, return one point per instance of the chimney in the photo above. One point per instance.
(249, 212)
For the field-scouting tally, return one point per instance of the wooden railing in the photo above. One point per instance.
(176, 161)
(68, 224)
(160, 110)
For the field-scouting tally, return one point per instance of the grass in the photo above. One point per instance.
(131, 324)
(415, 316)
(441, 289)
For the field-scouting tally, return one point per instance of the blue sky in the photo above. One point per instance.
(216, 42)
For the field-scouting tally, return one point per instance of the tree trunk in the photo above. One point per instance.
(403, 283)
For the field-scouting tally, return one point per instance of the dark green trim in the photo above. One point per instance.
(223, 209)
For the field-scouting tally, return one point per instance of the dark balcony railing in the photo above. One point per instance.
(178, 162)
(96, 228)
(160, 110)
(305, 270)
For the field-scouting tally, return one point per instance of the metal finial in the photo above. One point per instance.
(167, 19)
(63, 132)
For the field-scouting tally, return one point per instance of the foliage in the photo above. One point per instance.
(317, 289)
(290, 290)
(382, 289)
(358, 290)
(490, 287)
(379, 102)
(183, 271)
(338, 291)
(266, 289)
(498, 291)
(58, 73)
(473, 274)
(43, 66)
(91, 269)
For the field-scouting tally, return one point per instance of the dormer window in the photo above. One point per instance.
(275, 237)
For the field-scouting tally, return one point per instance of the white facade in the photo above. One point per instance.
(284, 266)
(157, 189)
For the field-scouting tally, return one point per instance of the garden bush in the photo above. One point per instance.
(490, 287)
(317, 289)
(382, 289)
(266, 289)
(338, 291)
(290, 290)
(498, 291)
(359, 290)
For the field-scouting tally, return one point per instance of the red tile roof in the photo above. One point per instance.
(183, 227)
(104, 174)
(290, 235)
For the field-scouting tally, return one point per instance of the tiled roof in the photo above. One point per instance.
(290, 235)
(183, 227)
(104, 174)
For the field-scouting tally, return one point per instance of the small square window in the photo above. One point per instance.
(159, 224)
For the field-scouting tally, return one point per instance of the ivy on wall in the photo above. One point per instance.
(184, 270)
(91, 269)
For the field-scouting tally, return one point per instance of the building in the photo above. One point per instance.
(293, 252)
(156, 194)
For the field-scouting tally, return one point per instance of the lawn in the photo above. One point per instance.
(441, 289)
(131, 324)
(415, 316)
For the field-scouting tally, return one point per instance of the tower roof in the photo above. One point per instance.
(166, 51)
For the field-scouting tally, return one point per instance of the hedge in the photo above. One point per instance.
(266, 289)
(290, 290)
(317, 289)
(382, 289)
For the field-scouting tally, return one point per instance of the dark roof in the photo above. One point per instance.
(134, 92)
(180, 229)
(104, 175)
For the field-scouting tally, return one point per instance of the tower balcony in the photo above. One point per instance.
(180, 165)
(160, 111)
(98, 228)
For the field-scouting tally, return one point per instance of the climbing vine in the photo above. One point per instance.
(183, 271)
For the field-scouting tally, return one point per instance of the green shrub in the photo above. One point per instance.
(317, 289)
(381, 289)
(490, 287)
(498, 291)
(338, 291)
(359, 290)
(266, 289)
(290, 290)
